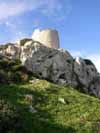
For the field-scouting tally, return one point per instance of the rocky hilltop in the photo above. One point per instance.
(55, 65)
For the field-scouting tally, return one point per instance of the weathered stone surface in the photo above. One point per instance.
(47, 63)
(11, 50)
(87, 76)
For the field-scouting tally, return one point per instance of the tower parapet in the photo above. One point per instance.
(47, 37)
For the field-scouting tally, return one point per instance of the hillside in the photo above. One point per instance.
(46, 90)
(57, 109)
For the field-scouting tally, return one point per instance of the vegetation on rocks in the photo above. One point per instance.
(3, 47)
(12, 71)
(23, 41)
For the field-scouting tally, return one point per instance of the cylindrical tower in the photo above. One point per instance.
(47, 37)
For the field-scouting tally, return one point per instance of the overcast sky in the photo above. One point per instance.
(78, 23)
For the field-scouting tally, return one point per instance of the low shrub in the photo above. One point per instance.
(13, 71)
(10, 118)
(3, 76)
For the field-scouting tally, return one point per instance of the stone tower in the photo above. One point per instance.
(47, 37)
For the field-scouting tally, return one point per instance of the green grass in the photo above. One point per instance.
(80, 114)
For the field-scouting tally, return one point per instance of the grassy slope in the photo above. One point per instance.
(80, 113)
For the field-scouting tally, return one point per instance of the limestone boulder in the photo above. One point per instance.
(13, 52)
(87, 76)
(54, 65)
(10, 50)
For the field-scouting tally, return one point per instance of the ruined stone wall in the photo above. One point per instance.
(47, 37)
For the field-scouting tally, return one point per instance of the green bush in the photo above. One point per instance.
(19, 68)
(4, 63)
(23, 41)
(3, 76)
(10, 118)
(88, 62)
(16, 77)
(13, 71)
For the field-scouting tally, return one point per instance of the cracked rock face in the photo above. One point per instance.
(87, 76)
(56, 65)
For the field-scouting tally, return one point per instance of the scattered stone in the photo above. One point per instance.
(62, 100)
(33, 81)
(32, 109)
(29, 98)
(62, 81)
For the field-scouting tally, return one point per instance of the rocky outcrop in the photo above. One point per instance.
(56, 65)
(10, 50)
(48, 63)
(87, 76)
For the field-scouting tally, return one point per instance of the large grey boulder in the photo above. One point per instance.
(54, 65)
(87, 76)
